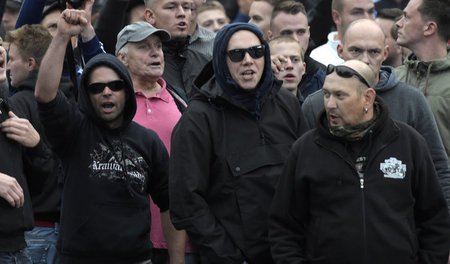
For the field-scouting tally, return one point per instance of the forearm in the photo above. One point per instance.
(176, 239)
(51, 69)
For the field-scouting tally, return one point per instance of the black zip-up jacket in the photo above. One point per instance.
(224, 164)
(325, 212)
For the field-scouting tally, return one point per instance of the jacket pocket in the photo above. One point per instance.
(255, 173)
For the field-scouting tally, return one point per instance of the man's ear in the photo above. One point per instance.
(123, 59)
(32, 64)
(430, 28)
(269, 35)
(336, 17)
(340, 50)
(386, 52)
(369, 97)
(150, 16)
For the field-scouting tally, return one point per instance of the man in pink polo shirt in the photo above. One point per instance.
(139, 47)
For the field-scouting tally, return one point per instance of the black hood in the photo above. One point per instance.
(105, 59)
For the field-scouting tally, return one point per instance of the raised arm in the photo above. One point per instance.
(71, 23)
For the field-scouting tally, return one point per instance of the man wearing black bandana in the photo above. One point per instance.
(359, 188)
(228, 150)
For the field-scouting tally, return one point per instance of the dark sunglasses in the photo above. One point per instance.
(96, 88)
(345, 72)
(237, 55)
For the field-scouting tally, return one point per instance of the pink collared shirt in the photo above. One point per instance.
(160, 113)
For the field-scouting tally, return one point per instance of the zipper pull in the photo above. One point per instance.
(361, 181)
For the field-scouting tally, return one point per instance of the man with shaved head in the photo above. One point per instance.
(190, 46)
(364, 40)
(359, 188)
(343, 13)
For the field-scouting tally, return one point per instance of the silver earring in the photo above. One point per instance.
(366, 110)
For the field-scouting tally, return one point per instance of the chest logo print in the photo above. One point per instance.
(393, 168)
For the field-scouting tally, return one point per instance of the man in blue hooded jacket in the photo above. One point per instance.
(229, 147)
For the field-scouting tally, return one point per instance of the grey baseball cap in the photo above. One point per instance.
(137, 32)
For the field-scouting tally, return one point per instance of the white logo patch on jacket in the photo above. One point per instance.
(393, 168)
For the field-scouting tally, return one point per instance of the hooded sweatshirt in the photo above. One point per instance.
(105, 216)
(404, 104)
(227, 152)
(432, 78)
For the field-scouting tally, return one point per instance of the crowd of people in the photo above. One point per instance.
(203, 131)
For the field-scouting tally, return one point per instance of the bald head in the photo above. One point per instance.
(364, 40)
(363, 69)
(364, 28)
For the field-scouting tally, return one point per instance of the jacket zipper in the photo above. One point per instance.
(363, 206)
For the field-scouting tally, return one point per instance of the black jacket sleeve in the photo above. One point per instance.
(287, 215)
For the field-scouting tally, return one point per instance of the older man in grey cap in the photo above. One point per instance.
(159, 106)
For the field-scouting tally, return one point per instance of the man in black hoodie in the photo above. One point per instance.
(360, 188)
(228, 149)
(111, 163)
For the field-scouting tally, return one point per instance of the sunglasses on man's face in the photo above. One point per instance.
(237, 55)
(98, 87)
(345, 72)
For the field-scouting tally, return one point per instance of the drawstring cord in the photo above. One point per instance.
(427, 78)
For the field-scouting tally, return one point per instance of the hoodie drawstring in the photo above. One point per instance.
(426, 79)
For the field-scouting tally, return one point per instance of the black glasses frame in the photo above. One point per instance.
(345, 72)
(99, 87)
(237, 55)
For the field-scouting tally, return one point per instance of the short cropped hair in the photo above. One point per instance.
(271, 2)
(211, 5)
(393, 14)
(439, 12)
(286, 39)
(390, 13)
(337, 5)
(31, 41)
(289, 7)
(149, 3)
